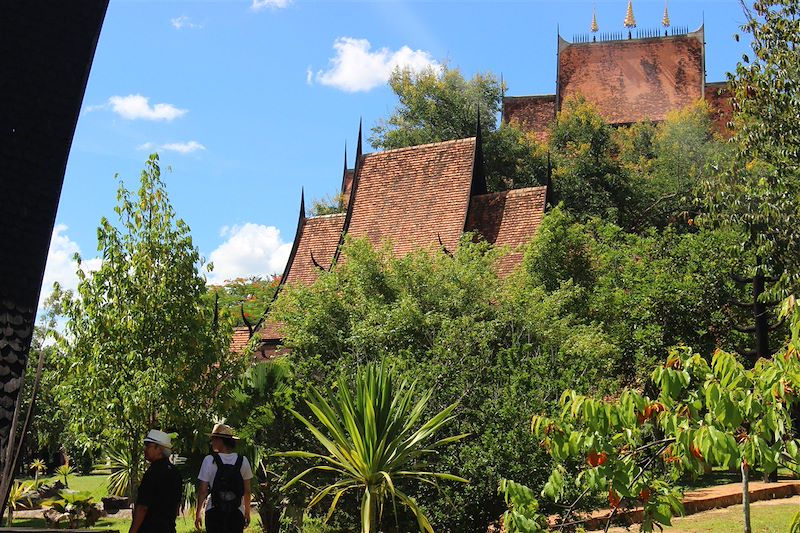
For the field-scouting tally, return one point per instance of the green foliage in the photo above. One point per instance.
(76, 508)
(523, 509)
(141, 349)
(640, 176)
(121, 464)
(441, 105)
(645, 292)
(666, 163)
(759, 192)
(375, 441)
(451, 324)
(64, 471)
(328, 205)
(18, 498)
(249, 296)
(794, 527)
(716, 414)
(587, 177)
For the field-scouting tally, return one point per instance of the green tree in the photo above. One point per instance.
(140, 349)
(667, 163)
(242, 299)
(587, 177)
(451, 324)
(375, 441)
(717, 414)
(440, 105)
(759, 193)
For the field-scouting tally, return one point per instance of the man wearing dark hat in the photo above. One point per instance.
(225, 475)
(159, 496)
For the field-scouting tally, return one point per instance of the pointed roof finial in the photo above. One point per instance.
(358, 146)
(665, 20)
(344, 172)
(630, 22)
(594, 28)
(302, 203)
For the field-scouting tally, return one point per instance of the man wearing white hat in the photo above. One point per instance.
(159, 496)
(226, 475)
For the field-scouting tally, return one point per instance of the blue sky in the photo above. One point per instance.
(248, 101)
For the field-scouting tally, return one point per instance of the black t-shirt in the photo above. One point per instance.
(160, 491)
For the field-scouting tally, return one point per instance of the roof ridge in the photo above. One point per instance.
(417, 146)
(329, 215)
(537, 188)
(530, 96)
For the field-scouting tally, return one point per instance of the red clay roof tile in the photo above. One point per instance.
(239, 339)
(414, 196)
(508, 218)
(319, 237)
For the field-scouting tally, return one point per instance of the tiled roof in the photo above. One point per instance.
(508, 218)
(271, 331)
(239, 339)
(318, 238)
(414, 196)
(633, 80)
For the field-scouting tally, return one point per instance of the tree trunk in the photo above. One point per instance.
(746, 496)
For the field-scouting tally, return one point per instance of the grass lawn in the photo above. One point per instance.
(771, 516)
(96, 485)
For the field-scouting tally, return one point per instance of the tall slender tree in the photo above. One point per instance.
(141, 349)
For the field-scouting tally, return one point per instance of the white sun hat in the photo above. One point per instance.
(157, 436)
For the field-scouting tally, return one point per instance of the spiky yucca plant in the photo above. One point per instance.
(374, 440)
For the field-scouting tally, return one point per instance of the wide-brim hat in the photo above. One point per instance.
(222, 431)
(157, 436)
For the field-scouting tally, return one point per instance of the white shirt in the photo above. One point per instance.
(208, 471)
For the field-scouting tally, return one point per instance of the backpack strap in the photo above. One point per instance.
(217, 459)
(239, 461)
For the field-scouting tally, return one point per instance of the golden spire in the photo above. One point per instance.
(665, 20)
(630, 22)
(595, 28)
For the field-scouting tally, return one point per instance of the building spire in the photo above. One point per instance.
(630, 22)
(358, 146)
(665, 20)
(594, 27)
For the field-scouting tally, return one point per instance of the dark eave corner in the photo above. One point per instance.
(478, 167)
(301, 222)
(344, 172)
(352, 200)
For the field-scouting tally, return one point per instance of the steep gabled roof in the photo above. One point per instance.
(635, 79)
(414, 197)
(507, 218)
(318, 238)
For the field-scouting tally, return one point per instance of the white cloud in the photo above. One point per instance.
(61, 266)
(183, 148)
(309, 76)
(275, 4)
(251, 250)
(183, 21)
(136, 106)
(357, 68)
